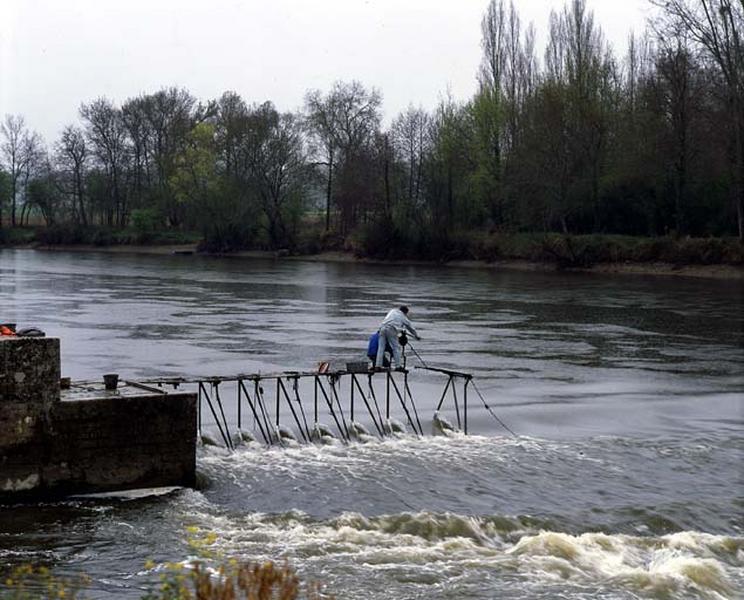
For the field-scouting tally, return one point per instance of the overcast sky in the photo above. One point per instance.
(55, 54)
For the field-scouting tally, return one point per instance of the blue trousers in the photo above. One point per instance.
(388, 335)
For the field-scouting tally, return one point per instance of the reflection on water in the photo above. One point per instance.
(626, 392)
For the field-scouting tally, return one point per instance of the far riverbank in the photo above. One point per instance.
(661, 268)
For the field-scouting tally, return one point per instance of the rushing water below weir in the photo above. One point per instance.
(626, 480)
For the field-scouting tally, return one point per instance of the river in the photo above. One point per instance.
(625, 478)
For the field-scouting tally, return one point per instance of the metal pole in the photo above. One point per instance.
(351, 407)
(444, 393)
(277, 402)
(387, 397)
(240, 424)
(369, 408)
(333, 412)
(413, 404)
(332, 381)
(405, 408)
(216, 387)
(465, 404)
(198, 412)
(214, 414)
(255, 415)
(295, 384)
(315, 402)
(292, 409)
(457, 406)
(261, 403)
(374, 399)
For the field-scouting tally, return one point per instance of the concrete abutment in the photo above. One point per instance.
(58, 442)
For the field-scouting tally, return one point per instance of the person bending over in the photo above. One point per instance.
(395, 321)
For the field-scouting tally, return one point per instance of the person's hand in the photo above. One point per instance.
(418, 338)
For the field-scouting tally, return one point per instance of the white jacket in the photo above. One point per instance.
(395, 318)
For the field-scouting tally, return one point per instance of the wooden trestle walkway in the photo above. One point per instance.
(254, 391)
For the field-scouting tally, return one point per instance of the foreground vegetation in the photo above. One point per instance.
(211, 577)
(230, 581)
(583, 142)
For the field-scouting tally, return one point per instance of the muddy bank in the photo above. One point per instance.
(165, 249)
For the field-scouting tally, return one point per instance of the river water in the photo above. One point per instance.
(625, 478)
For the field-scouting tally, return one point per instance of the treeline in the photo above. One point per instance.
(580, 141)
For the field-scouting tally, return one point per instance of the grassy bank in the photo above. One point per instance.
(73, 235)
(577, 251)
(553, 250)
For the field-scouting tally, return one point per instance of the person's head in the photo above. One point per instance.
(404, 309)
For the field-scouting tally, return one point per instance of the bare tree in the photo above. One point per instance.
(107, 134)
(507, 76)
(639, 66)
(494, 42)
(411, 141)
(278, 168)
(34, 164)
(139, 135)
(14, 132)
(496, 29)
(170, 115)
(357, 124)
(321, 122)
(449, 165)
(72, 158)
(232, 126)
(678, 95)
(579, 63)
(717, 26)
(43, 192)
(344, 123)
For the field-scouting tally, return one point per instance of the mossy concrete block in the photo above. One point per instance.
(20, 469)
(20, 423)
(29, 370)
(51, 447)
(116, 443)
(29, 386)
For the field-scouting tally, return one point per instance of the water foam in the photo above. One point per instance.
(681, 565)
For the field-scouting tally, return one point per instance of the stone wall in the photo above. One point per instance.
(111, 441)
(29, 387)
(114, 443)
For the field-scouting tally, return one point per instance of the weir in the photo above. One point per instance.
(289, 405)
(59, 437)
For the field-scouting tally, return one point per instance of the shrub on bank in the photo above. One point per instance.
(313, 238)
(583, 251)
(232, 580)
(30, 583)
(72, 235)
(211, 577)
(17, 235)
(63, 235)
(702, 251)
(384, 240)
(380, 240)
